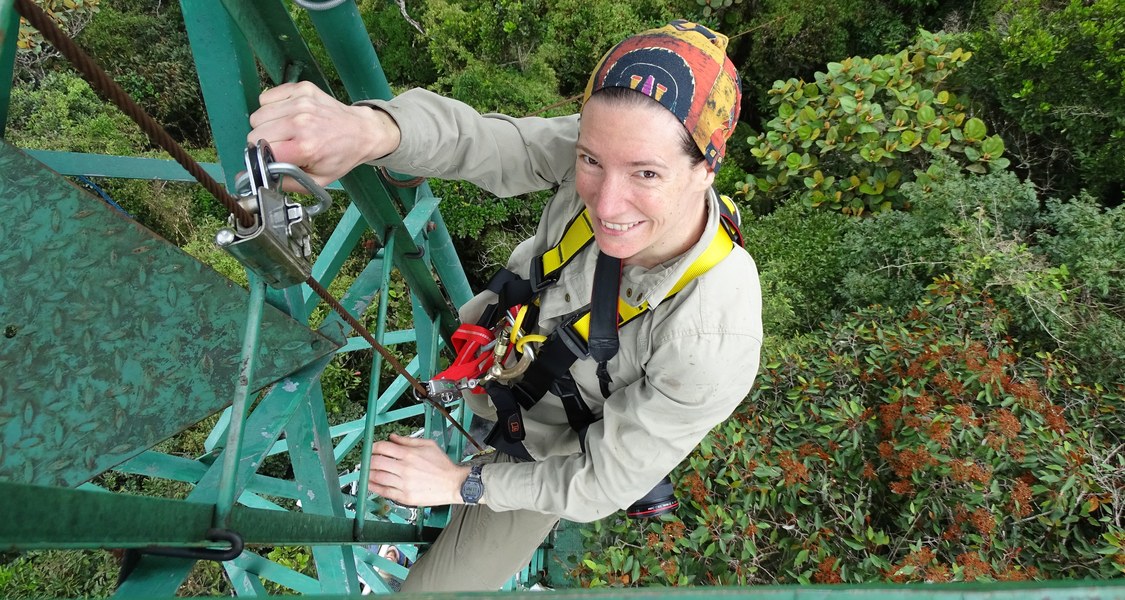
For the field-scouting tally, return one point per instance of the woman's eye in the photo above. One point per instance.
(586, 158)
(648, 174)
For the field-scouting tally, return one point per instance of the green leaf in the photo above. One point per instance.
(993, 146)
(793, 161)
(848, 104)
(926, 115)
(802, 556)
(972, 154)
(975, 129)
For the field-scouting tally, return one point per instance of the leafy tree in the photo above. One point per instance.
(801, 258)
(1053, 74)
(865, 126)
(162, 79)
(62, 112)
(901, 446)
(402, 48)
(1090, 326)
(580, 32)
(893, 256)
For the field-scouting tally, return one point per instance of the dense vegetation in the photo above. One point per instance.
(933, 194)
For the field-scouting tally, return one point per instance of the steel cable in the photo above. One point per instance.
(109, 89)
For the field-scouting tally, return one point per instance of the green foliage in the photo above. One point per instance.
(58, 574)
(1056, 72)
(893, 256)
(402, 49)
(1088, 240)
(580, 32)
(33, 52)
(500, 33)
(486, 229)
(162, 78)
(1091, 241)
(61, 112)
(868, 125)
(801, 260)
(492, 88)
(903, 447)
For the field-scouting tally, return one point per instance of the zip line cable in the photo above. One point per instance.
(114, 93)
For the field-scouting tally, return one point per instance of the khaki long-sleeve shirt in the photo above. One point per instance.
(681, 369)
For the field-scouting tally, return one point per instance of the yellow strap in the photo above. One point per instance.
(578, 234)
(717, 250)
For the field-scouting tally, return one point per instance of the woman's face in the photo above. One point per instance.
(645, 195)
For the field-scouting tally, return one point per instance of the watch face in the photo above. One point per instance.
(471, 491)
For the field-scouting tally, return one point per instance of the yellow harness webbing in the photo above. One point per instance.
(580, 233)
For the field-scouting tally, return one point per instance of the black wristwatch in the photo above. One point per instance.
(473, 488)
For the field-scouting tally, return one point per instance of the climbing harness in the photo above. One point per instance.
(545, 361)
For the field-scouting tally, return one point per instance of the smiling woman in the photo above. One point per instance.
(647, 310)
(645, 195)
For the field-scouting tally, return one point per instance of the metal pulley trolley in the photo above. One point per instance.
(277, 246)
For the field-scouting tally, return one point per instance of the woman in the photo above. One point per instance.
(640, 159)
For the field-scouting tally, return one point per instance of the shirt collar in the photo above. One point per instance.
(640, 285)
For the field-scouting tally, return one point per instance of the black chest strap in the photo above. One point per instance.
(603, 342)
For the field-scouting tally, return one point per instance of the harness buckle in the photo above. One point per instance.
(570, 337)
(537, 279)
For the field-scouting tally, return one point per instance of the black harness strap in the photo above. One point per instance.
(578, 413)
(603, 343)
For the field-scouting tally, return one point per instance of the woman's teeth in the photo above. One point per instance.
(618, 226)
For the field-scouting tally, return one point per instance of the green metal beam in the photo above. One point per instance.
(276, 42)
(228, 78)
(40, 517)
(9, 33)
(342, 32)
(124, 167)
(158, 576)
(310, 454)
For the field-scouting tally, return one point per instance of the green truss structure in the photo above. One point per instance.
(114, 340)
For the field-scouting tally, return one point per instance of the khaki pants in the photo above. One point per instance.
(480, 549)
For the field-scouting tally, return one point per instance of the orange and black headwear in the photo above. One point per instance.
(684, 67)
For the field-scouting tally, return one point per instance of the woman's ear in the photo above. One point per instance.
(709, 176)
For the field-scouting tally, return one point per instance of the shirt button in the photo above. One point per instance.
(628, 292)
(567, 297)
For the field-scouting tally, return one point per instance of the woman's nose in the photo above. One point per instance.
(612, 197)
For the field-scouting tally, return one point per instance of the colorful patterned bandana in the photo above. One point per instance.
(684, 67)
